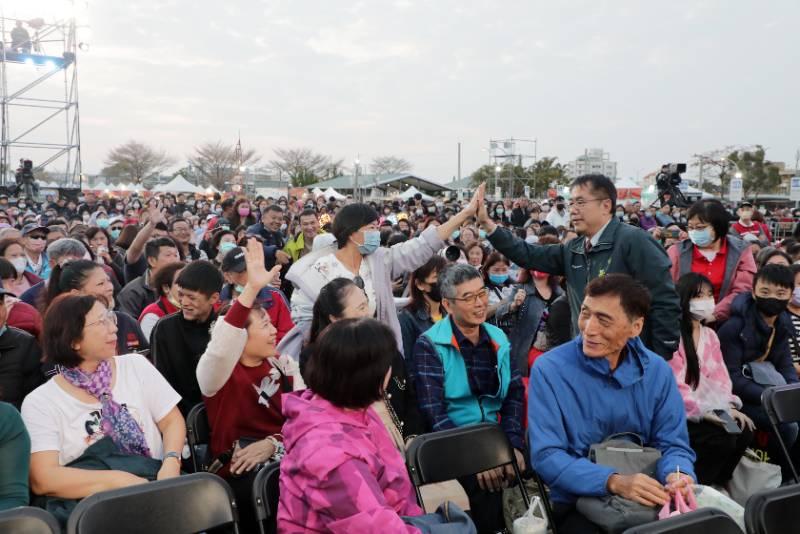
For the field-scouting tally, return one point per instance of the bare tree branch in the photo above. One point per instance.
(389, 165)
(136, 161)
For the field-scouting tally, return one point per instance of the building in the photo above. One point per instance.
(593, 161)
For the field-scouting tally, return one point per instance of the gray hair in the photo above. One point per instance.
(65, 247)
(453, 276)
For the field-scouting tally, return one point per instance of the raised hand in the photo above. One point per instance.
(155, 215)
(257, 275)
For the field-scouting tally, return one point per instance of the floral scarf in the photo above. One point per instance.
(116, 421)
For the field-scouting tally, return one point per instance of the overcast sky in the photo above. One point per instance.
(648, 82)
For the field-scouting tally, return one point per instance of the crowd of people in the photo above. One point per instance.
(327, 335)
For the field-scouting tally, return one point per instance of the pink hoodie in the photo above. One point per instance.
(341, 472)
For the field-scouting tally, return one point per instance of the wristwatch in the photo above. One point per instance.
(172, 454)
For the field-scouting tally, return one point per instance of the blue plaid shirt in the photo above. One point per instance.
(481, 364)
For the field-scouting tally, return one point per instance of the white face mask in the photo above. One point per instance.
(702, 309)
(19, 264)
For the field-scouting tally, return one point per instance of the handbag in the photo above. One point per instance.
(448, 519)
(530, 523)
(763, 372)
(751, 476)
(614, 513)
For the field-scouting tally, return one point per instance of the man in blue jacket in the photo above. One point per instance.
(602, 383)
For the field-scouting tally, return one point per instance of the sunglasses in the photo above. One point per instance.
(37, 236)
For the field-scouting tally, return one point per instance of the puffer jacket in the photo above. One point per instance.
(341, 472)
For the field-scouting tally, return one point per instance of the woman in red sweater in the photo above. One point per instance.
(164, 283)
(242, 380)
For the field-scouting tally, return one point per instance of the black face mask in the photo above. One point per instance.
(435, 294)
(559, 207)
(769, 306)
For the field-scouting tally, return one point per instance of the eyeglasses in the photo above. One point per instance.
(581, 202)
(472, 299)
(37, 236)
(108, 320)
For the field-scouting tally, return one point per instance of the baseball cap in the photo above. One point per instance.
(746, 204)
(32, 227)
(234, 262)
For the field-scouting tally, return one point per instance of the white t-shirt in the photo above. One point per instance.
(331, 268)
(57, 421)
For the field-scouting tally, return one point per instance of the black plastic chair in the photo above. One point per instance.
(459, 452)
(180, 505)
(703, 521)
(265, 498)
(28, 520)
(782, 404)
(773, 511)
(198, 433)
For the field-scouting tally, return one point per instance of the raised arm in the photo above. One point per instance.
(136, 249)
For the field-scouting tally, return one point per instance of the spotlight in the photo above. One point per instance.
(29, 61)
(50, 64)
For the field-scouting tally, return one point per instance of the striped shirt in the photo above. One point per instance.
(794, 339)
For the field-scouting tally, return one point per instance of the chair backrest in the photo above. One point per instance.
(198, 433)
(450, 454)
(773, 511)
(782, 403)
(180, 505)
(703, 521)
(265, 497)
(28, 520)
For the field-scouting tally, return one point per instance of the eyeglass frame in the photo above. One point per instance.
(110, 316)
(481, 294)
(581, 202)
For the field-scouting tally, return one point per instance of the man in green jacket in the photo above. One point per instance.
(604, 245)
(301, 244)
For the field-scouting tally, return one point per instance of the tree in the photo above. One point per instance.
(216, 163)
(389, 165)
(758, 174)
(136, 162)
(541, 176)
(304, 167)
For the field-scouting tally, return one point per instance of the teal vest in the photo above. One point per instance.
(463, 408)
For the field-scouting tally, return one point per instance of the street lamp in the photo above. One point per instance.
(356, 164)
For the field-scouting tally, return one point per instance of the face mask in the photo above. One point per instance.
(19, 264)
(21, 206)
(435, 294)
(455, 234)
(372, 241)
(418, 212)
(620, 214)
(532, 239)
(226, 247)
(115, 234)
(119, 207)
(102, 223)
(498, 279)
(284, 227)
(239, 288)
(482, 234)
(701, 238)
(795, 296)
(770, 306)
(701, 309)
(86, 217)
(500, 211)
(539, 275)
(243, 212)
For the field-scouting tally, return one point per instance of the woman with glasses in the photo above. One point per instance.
(99, 401)
(710, 251)
(358, 256)
(84, 277)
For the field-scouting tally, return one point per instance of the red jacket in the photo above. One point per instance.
(24, 316)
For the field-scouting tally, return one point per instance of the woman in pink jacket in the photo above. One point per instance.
(706, 388)
(342, 471)
(724, 259)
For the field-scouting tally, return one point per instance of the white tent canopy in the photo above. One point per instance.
(317, 192)
(411, 191)
(179, 184)
(331, 192)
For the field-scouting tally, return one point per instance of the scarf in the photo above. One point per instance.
(116, 421)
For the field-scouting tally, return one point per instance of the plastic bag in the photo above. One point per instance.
(708, 497)
(531, 523)
(751, 476)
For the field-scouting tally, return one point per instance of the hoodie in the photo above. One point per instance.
(575, 401)
(744, 338)
(342, 471)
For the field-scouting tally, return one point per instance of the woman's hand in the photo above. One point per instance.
(170, 468)
(742, 420)
(256, 453)
(519, 298)
(678, 482)
(257, 274)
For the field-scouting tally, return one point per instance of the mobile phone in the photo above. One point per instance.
(673, 234)
(729, 423)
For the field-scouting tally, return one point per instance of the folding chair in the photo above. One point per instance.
(782, 404)
(773, 511)
(180, 505)
(703, 521)
(265, 498)
(28, 520)
(198, 432)
(463, 451)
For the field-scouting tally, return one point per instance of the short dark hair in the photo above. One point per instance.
(227, 203)
(308, 212)
(94, 230)
(775, 274)
(176, 220)
(59, 335)
(633, 296)
(153, 247)
(273, 207)
(350, 219)
(164, 276)
(598, 183)
(349, 361)
(766, 254)
(711, 211)
(201, 276)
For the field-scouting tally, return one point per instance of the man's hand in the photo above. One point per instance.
(477, 199)
(679, 482)
(282, 257)
(639, 488)
(519, 298)
(252, 455)
(154, 214)
(492, 480)
(509, 469)
(257, 274)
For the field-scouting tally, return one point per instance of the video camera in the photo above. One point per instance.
(667, 182)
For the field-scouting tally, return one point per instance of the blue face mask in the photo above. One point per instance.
(239, 288)
(455, 234)
(482, 234)
(498, 279)
(226, 247)
(115, 234)
(701, 238)
(372, 241)
(102, 223)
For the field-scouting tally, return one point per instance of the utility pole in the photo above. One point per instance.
(356, 192)
(459, 160)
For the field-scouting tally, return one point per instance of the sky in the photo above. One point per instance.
(648, 82)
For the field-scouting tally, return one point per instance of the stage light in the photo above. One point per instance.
(29, 61)
(50, 64)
